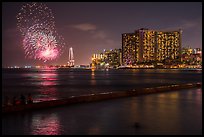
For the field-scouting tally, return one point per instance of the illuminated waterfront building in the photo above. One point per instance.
(197, 51)
(187, 50)
(107, 59)
(150, 46)
(191, 56)
(168, 46)
(130, 48)
(97, 59)
(113, 57)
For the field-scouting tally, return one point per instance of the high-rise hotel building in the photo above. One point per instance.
(150, 46)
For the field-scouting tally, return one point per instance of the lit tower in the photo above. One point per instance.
(71, 58)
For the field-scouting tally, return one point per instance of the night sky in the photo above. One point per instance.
(92, 27)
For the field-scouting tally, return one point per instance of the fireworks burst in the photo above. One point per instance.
(40, 39)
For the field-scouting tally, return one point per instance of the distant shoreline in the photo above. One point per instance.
(112, 68)
(167, 68)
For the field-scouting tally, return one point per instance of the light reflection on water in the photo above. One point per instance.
(199, 96)
(45, 124)
(47, 83)
(93, 78)
(178, 112)
(175, 112)
(50, 84)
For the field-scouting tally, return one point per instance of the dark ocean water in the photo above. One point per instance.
(51, 84)
(172, 113)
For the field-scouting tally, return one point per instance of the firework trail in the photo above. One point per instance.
(34, 13)
(40, 38)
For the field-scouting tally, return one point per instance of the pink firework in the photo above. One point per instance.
(40, 43)
(34, 13)
(48, 54)
(40, 39)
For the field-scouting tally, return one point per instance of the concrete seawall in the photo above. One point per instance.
(98, 97)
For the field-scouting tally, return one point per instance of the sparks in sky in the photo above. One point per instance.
(40, 38)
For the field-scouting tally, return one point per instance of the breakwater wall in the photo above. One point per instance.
(98, 97)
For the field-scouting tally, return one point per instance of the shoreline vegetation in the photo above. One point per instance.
(98, 97)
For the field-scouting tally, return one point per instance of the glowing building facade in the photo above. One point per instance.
(168, 46)
(107, 59)
(147, 45)
(130, 48)
(150, 46)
